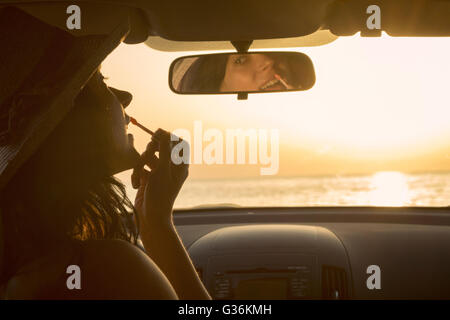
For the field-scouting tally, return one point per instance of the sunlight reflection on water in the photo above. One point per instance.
(389, 188)
(386, 188)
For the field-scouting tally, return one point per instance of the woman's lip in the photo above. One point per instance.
(267, 80)
(276, 87)
(273, 78)
(130, 139)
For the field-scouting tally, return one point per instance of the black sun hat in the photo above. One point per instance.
(42, 70)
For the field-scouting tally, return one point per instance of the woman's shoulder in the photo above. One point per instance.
(117, 269)
(92, 269)
(105, 247)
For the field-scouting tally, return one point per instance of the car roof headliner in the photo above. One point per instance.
(180, 25)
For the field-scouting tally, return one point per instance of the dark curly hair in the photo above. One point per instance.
(205, 74)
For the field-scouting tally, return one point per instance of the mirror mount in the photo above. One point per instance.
(242, 47)
(242, 96)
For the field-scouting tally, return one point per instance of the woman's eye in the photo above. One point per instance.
(240, 60)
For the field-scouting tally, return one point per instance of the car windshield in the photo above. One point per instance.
(374, 130)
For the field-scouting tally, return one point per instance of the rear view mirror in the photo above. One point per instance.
(249, 72)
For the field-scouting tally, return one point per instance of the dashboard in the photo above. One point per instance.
(320, 252)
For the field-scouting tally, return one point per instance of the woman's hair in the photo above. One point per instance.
(205, 74)
(54, 198)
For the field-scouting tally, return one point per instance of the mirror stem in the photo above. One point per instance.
(242, 46)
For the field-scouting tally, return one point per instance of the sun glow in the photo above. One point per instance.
(389, 188)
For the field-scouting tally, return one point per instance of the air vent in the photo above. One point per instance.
(334, 283)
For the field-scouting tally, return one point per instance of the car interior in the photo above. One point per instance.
(251, 241)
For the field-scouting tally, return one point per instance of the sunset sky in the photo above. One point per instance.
(378, 104)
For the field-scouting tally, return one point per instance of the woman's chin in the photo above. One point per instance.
(125, 159)
(124, 163)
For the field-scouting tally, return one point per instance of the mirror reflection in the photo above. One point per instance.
(247, 72)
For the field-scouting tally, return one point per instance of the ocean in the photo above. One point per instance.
(387, 188)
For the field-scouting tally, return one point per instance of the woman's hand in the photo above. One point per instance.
(158, 188)
(156, 195)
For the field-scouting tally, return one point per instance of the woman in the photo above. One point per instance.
(63, 207)
(243, 73)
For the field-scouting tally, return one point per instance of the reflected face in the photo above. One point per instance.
(252, 72)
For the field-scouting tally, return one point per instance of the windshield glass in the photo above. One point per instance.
(374, 130)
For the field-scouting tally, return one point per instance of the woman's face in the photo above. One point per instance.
(122, 154)
(251, 72)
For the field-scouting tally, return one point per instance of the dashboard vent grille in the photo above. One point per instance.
(334, 283)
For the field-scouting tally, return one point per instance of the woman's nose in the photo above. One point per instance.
(265, 63)
(124, 96)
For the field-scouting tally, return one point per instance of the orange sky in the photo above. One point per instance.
(378, 104)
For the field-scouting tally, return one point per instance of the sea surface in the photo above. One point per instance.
(387, 188)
